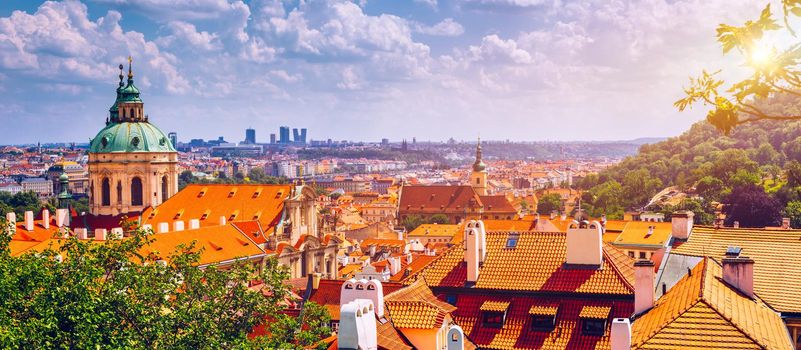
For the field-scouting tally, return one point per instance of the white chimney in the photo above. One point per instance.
(100, 234)
(46, 218)
(178, 226)
(620, 339)
(682, 222)
(62, 217)
(29, 220)
(738, 271)
(371, 290)
(643, 286)
(455, 338)
(81, 233)
(357, 326)
(163, 227)
(222, 221)
(117, 233)
(584, 243)
(371, 250)
(786, 223)
(394, 265)
(11, 217)
(471, 245)
(194, 224)
(736, 224)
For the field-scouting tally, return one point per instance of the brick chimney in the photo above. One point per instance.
(11, 217)
(643, 286)
(682, 222)
(620, 339)
(584, 243)
(29, 220)
(738, 271)
(46, 218)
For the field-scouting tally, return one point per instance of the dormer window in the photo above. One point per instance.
(543, 318)
(511, 240)
(494, 313)
(593, 320)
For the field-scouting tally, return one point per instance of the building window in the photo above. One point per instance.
(119, 192)
(136, 191)
(105, 193)
(591, 326)
(631, 254)
(493, 319)
(642, 255)
(164, 194)
(542, 323)
(478, 181)
(451, 299)
(511, 241)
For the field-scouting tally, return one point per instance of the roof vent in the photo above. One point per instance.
(257, 193)
(232, 192)
(202, 192)
(733, 251)
(205, 214)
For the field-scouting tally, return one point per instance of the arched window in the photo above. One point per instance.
(105, 196)
(164, 194)
(136, 191)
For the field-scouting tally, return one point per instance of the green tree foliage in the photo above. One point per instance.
(752, 207)
(412, 221)
(438, 219)
(109, 296)
(549, 203)
(20, 202)
(793, 211)
(769, 71)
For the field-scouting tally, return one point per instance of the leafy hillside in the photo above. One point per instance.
(754, 170)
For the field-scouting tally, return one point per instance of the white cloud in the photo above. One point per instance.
(187, 33)
(283, 75)
(350, 80)
(447, 27)
(431, 3)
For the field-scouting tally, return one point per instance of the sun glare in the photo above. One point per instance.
(762, 55)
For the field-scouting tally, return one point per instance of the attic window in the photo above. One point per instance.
(511, 241)
(493, 319)
(232, 192)
(178, 214)
(257, 193)
(257, 215)
(153, 213)
(205, 214)
(233, 215)
(542, 323)
(279, 194)
(595, 327)
(202, 192)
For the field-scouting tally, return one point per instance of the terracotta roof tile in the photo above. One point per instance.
(498, 306)
(596, 312)
(415, 314)
(777, 256)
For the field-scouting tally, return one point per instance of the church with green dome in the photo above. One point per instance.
(132, 163)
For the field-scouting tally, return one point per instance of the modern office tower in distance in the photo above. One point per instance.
(173, 138)
(303, 136)
(250, 136)
(284, 135)
(272, 138)
(295, 135)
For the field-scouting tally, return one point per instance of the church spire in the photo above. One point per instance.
(130, 70)
(479, 164)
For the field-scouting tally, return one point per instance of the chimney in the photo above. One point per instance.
(357, 326)
(164, 227)
(194, 224)
(455, 338)
(100, 234)
(682, 222)
(620, 339)
(29, 220)
(553, 215)
(62, 217)
(371, 290)
(563, 216)
(371, 250)
(786, 223)
(116, 233)
(394, 265)
(316, 280)
(409, 258)
(11, 217)
(81, 233)
(736, 224)
(178, 226)
(738, 271)
(584, 243)
(147, 227)
(471, 244)
(222, 220)
(643, 286)
(46, 218)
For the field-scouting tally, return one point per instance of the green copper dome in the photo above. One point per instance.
(130, 137)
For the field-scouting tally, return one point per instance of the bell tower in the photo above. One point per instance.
(478, 177)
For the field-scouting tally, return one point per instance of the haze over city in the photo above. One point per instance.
(363, 70)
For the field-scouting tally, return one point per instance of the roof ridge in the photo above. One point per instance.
(714, 307)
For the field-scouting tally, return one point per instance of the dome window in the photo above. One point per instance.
(104, 141)
(163, 141)
(135, 141)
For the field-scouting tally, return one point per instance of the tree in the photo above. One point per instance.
(111, 296)
(549, 203)
(772, 71)
(752, 207)
(793, 211)
(412, 221)
(186, 177)
(438, 219)
(710, 188)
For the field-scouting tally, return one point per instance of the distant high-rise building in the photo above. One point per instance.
(384, 142)
(173, 138)
(272, 138)
(283, 134)
(250, 136)
(295, 135)
(303, 136)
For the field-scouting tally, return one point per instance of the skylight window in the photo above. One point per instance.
(511, 241)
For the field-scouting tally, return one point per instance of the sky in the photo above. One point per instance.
(527, 70)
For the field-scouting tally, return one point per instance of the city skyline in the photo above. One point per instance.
(516, 70)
